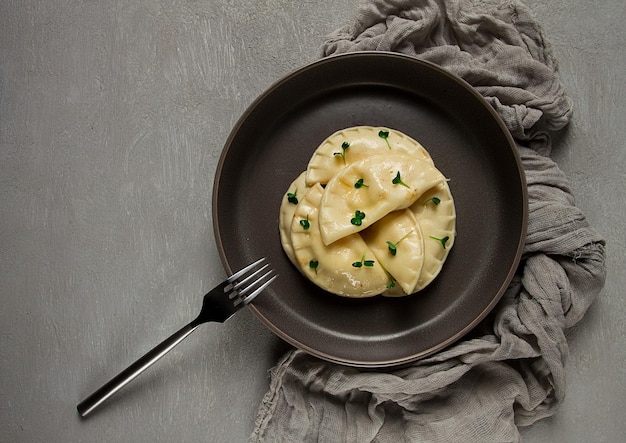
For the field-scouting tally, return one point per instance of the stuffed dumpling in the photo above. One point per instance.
(436, 215)
(356, 143)
(297, 189)
(347, 267)
(365, 191)
(397, 243)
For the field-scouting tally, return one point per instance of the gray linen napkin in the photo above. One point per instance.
(510, 372)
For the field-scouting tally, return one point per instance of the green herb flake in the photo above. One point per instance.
(305, 223)
(393, 247)
(443, 241)
(392, 282)
(342, 154)
(397, 180)
(357, 220)
(363, 262)
(359, 184)
(384, 135)
(313, 264)
(435, 201)
(292, 197)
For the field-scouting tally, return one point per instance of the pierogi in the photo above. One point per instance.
(387, 183)
(362, 142)
(331, 266)
(370, 215)
(297, 190)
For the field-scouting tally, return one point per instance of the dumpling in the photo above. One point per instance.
(397, 243)
(370, 215)
(436, 215)
(365, 191)
(353, 144)
(297, 189)
(347, 267)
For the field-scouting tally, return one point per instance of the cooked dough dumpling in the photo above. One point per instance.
(297, 190)
(353, 144)
(436, 215)
(397, 243)
(332, 267)
(370, 215)
(387, 183)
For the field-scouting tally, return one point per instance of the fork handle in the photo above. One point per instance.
(127, 375)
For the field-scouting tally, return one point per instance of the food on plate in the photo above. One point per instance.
(435, 213)
(332, 267)
(356, 143)
(397, 243)
(370, 215)
(288, 206)
(387, 183)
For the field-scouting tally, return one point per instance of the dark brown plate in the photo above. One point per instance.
(273, 142)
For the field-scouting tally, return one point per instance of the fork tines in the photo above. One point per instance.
(250, 281)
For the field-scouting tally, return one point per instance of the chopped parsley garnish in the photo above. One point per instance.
(384, 135)
(313, 264)
(435, 200)
(363, 262)
(292, 197)
(359, 184)
(398, 181)
(357, 220)
(305, 223)
(443, 241)
(342, 154)
(393, 247)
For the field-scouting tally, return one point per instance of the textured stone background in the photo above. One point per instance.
(113, 115)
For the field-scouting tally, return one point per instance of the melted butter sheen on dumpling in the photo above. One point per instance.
(356, 143)
(331, 267)
(387, 183)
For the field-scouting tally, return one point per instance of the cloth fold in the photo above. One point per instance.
(510, 371)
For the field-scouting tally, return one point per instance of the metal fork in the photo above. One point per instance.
(218, 306)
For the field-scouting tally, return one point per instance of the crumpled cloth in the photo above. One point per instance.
(509, 372)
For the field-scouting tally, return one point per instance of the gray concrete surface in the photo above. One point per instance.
(112, 118)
